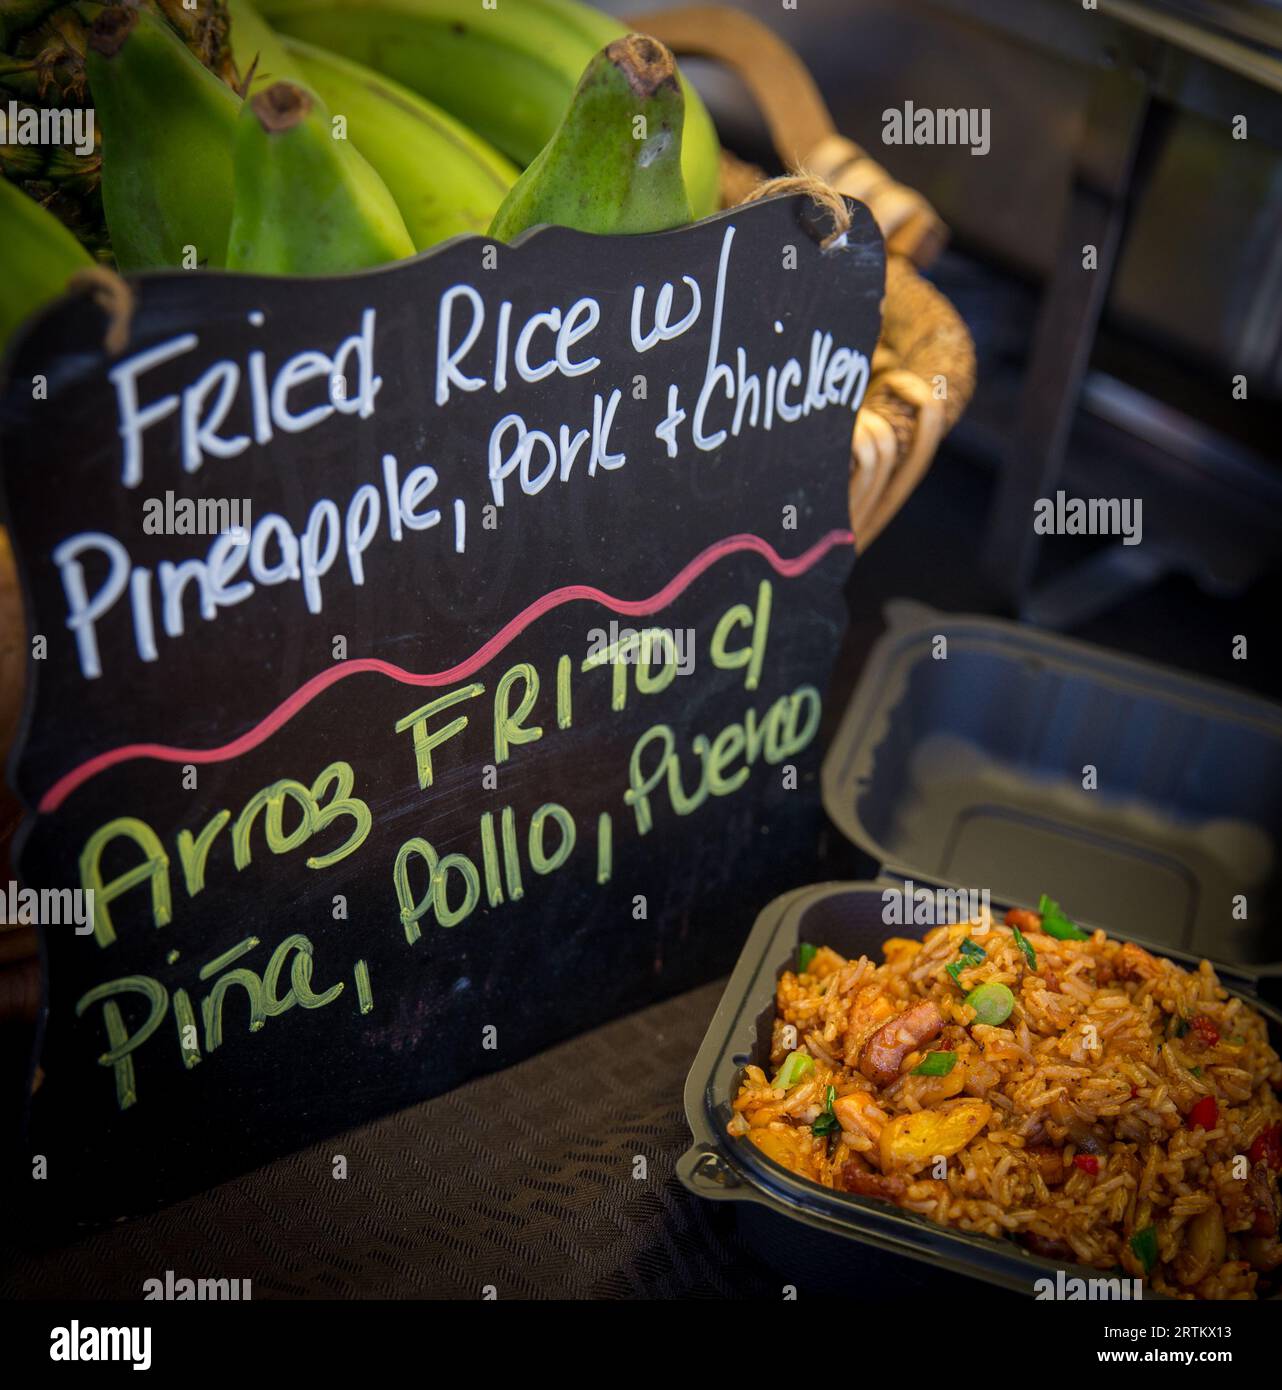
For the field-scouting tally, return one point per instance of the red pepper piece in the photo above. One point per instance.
(1207, 1033)
(1205, 1114)
(1266, 1147)
(1088, 1163)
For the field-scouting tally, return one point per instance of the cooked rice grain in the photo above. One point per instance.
(1091, 1082)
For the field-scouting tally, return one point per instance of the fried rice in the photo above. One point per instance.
(1123, 1113)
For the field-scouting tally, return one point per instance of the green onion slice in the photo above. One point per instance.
(972, 953)
(1024, 945)
(795, 1066)
(1144, 1244)
(936, 1064)
(992, 1002)
(1054, 922)
(826, 1122)
(805, 954)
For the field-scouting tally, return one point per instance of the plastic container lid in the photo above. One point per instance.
(984, 754)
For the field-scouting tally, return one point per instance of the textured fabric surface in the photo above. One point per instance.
(523, 1180)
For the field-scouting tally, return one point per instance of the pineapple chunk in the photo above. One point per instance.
(912, 1141)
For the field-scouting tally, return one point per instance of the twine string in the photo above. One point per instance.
(820, 192)
(114, 297)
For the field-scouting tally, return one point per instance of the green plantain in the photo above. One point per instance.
(614, 164)
(43, 47)
(700, 147)
(306, 203)
(258, 52)
(39, 255)
(507, 73)
(446, 180)
(43, 43)
(168, 126)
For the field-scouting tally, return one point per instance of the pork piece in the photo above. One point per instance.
(857, 1179)
(1049, 1161)
(858, 1114)
(1023, 919)
(1135, 963)
(884, 1052)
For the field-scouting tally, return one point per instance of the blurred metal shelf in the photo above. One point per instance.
(1112, 128)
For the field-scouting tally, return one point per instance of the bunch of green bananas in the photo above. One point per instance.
(43, 49)
(246, 141)
(508, 72)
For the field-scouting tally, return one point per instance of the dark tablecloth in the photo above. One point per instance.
(526, 1180)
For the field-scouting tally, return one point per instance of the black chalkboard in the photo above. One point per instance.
(222, 732)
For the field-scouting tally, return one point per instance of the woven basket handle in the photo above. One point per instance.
(923, 372)
(800, 124)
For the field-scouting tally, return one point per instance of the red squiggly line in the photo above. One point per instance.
(307, 692)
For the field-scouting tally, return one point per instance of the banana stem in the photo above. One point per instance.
(645, 64)
(613, 166)
(281, 107)
(110, 30)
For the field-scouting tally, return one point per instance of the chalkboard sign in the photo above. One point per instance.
(427, 666)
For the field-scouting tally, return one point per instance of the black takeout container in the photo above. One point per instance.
(938, 763)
